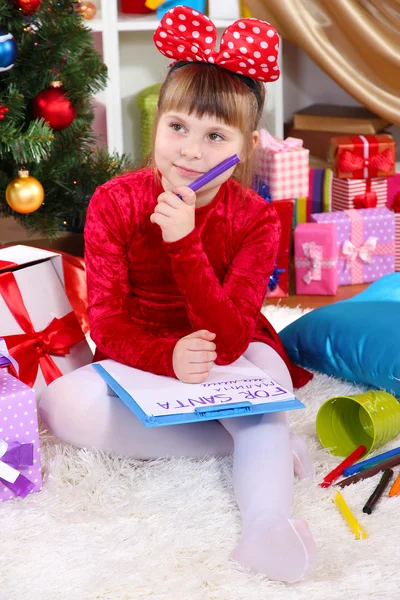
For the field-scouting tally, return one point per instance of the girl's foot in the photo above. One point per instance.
(302, 463)
(282, 551)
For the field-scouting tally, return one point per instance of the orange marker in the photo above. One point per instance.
(395, 489)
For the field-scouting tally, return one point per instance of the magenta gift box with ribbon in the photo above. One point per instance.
(20, 467)
(315, 259)
(365, 242)
(283, 165)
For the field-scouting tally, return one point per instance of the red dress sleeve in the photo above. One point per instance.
(229, 309)
(109, 227)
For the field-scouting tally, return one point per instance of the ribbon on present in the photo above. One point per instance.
(273, 144)
(365, 159)
(313, 261)
(396, 203)
(12, 457)
(12, 363)
(356, 251)
(368, 199)
(349, 161)
(364, 252)
(32, 349)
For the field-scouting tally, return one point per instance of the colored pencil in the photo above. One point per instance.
(386, 464)
(348, 516)
(369, 462)
(378, 491)
(395, 489)
(330, 478)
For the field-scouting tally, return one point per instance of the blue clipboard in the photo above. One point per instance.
(206, 413)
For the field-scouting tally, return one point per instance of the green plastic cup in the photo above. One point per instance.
(345, 422)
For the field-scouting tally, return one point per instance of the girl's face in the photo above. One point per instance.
(187, 146)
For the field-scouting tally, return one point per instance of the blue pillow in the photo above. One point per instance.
(356, 339)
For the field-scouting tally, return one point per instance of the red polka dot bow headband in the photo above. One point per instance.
(248, 46)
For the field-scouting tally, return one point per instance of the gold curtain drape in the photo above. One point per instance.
(356, 42)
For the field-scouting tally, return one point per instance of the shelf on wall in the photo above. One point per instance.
(95, 25)
(149, 22)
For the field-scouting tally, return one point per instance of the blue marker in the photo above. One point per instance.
(364, 464)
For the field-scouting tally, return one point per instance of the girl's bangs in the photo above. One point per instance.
(205, 92)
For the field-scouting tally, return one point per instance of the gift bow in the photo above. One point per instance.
(349, 162)
(364, 252)
(33, 348)
(367, 200)
(248, 46)
(313, 253)
(12, 457)
(269, 142)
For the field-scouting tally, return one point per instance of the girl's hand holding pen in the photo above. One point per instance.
(174, 215)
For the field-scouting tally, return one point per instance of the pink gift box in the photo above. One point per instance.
(283, 166)
(19, 439)
(344, 191)
(365, 243)
(315, 252)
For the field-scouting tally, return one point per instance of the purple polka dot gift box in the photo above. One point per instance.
(365, 242)
(20, 470)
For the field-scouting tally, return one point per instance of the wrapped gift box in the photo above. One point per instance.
(279, 283)
(396, 209)
(363, 156)
(365, 242)
(36, 320)
(283, 165)
(20, 470)
(315, 256)
(397, 235)
(358, 193)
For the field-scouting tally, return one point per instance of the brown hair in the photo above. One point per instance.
(207, 89)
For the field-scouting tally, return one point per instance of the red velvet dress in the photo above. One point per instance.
(145, 294)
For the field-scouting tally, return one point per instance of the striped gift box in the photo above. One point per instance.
(345, 190)
(397, 242)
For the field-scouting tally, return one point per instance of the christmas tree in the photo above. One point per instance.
(49, 71)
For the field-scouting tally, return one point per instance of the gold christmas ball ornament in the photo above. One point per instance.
(24, 194)
(87, 9)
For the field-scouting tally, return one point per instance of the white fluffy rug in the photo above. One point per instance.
(119, 529)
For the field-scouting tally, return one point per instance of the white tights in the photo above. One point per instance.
(78, 410)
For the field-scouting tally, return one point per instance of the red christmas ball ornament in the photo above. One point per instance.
(3, 111)
(54, 107)
(27, 6)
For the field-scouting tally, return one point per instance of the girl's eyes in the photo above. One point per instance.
(214, 137)
(176, 126)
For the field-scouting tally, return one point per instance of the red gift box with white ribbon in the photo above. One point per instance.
(363, 156)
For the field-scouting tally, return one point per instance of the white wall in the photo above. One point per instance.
(305, 83)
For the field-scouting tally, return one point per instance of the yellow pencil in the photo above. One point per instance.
(395, 489)
(348, 516)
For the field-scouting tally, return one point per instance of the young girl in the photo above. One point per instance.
(176, 285)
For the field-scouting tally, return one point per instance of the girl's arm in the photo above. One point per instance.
(108, 227)
(230, 309)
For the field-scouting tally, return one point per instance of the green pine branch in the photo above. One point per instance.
(53, 43)
(29, 146)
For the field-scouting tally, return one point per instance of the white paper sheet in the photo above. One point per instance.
(240, 381)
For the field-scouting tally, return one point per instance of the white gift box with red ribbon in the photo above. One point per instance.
(37, 322)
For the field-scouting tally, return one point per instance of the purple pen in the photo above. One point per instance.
(214, 172)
